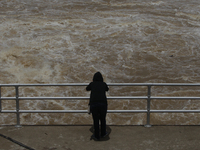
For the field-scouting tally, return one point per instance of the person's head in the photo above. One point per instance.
(98, 77)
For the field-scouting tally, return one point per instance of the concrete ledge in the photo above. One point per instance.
(120, 138)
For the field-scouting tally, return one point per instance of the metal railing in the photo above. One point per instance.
(148, 111)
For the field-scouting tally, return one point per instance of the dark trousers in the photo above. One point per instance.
(99, 111)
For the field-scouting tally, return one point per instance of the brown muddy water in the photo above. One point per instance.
(67, 41)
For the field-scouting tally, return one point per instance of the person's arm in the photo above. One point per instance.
(107, 88)
(88, 88)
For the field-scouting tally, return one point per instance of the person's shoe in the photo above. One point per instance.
(94, 138)
(103, 136)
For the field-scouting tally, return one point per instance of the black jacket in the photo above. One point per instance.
(98, 89)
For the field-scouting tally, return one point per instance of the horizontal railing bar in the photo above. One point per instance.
(127, 111)
(8, 98)
(53, 98)
(128, 97)
(63, 98)
(87, 98)
(110, 84)
(129, 84)
(64, 84)
(8, 111)
(53, 111)
(71, 111)
(153, 84)
(80, 111)
(181, 98)
(109, 111)
(175, 111)
(174, 84)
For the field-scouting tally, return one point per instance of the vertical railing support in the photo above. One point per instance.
(17, 106)
(148, 106)
(0, 100)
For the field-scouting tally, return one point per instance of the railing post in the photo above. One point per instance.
(0, 100)
(17, 106)
(148, 106)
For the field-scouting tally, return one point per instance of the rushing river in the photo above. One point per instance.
(129, 41)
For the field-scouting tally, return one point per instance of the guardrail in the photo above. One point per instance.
(148, 98)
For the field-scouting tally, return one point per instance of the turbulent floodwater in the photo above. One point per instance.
(67, 41)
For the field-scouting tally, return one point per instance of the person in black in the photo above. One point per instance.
(98, 104)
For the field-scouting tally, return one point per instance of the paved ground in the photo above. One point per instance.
(120, 138)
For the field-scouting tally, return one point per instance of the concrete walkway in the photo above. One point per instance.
(120, 138)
